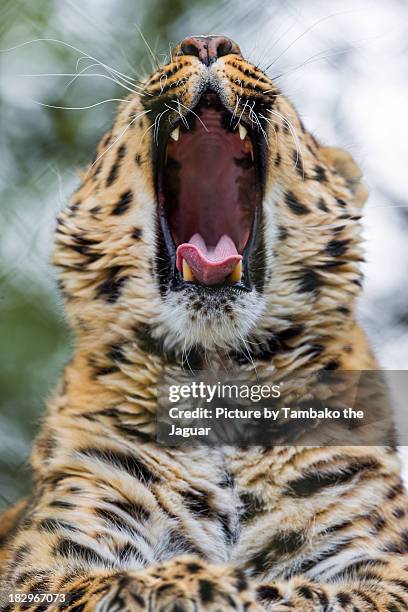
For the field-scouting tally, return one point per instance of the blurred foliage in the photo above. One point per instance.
(41, 149)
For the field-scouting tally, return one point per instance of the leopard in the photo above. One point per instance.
(211, 230)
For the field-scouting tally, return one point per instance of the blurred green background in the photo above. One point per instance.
(41, 149)
(331, 61)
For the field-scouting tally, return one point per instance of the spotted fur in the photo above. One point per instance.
(118, 522)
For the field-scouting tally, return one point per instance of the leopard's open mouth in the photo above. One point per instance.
(209, 181)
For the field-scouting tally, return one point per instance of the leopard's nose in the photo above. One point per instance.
(208, 48)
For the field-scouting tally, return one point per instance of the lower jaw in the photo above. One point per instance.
(224, 317)
(253, 264)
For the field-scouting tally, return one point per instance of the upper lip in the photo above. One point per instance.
(251, 245)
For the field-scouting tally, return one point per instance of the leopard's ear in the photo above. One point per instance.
(343, 164)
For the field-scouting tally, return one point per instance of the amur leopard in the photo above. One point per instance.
(211, 228)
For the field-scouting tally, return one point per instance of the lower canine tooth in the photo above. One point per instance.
(187, 272)
(236, 273)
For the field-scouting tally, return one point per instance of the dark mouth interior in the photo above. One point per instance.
(209, 188)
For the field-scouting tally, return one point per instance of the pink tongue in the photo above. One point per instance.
(210, 265)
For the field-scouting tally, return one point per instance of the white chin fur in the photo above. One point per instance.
(214, 329)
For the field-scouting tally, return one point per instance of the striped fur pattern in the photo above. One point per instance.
(118, 522)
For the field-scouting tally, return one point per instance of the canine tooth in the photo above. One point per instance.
(175, 133)
(236, 273)
(187, 272)
(242, 131)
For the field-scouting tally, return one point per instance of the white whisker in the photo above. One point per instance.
(311, 27)
(177, 110)
(258, 123)
(193, 113)
(83, 107)
(294, 136)
(145, 132)
(157, 120)
(272, 126)
(248, 354)
(65, 44)
(234, 112)
(163, 81)
(79, 75)
(156, 64)
(115, 75)
(240, 117)
(314, 58)
(119, 137)
(387, 206)
(115, 79)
